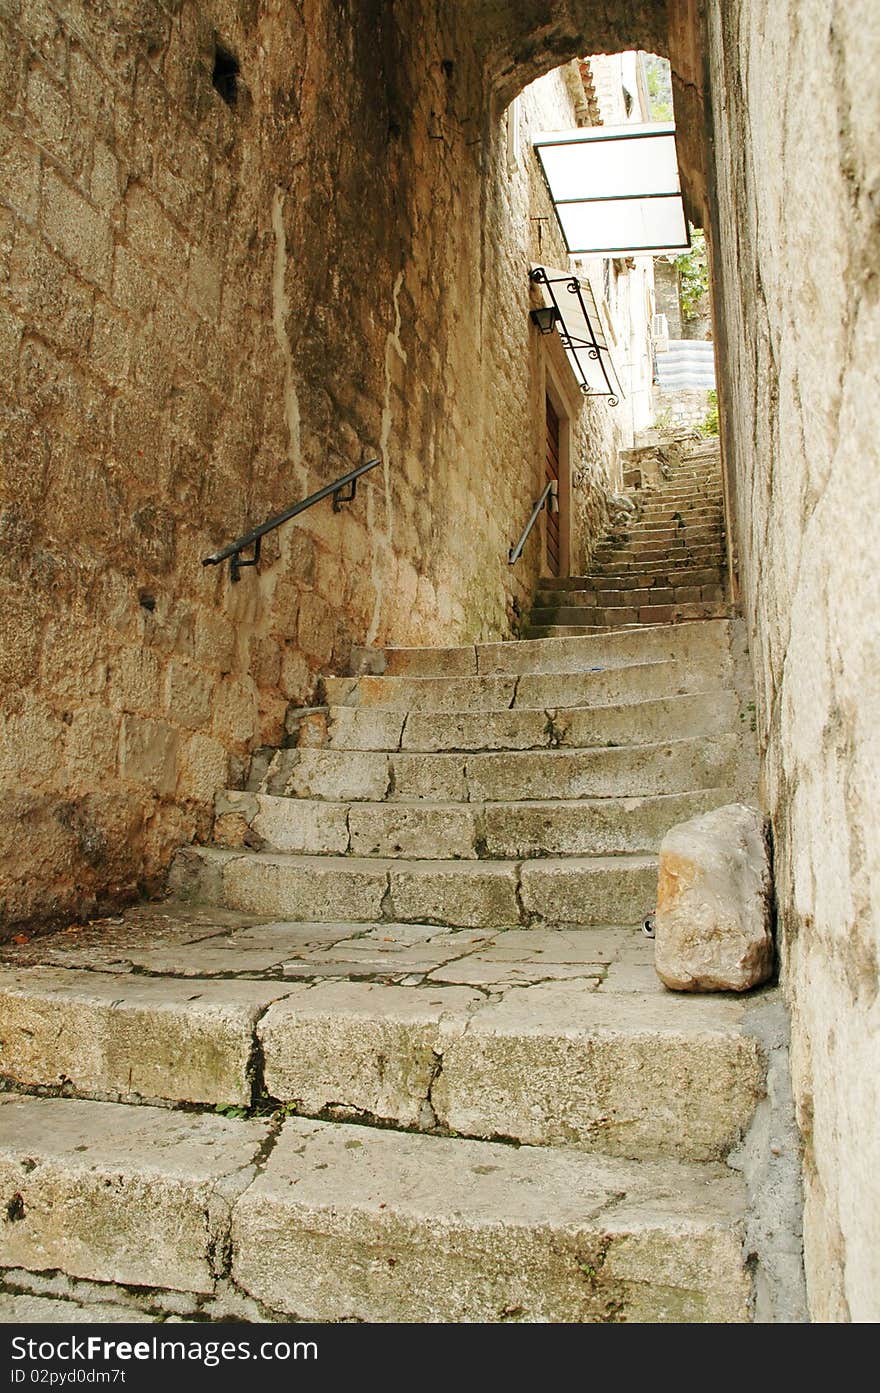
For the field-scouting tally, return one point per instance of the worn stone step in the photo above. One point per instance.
(655, 611)
(461, 894)
(644, 722)
(343, 1222)
(586, 827)
(708, 495)
(657, 558)
(535, 632)
(688, 534)
(504, 659)
(671, 514)
(675, 549)
(134, 1195)
(623, 685)
(596, 580)
(546, 1038)
(631, 770)
(589, 600)
(649, 578)
(599, 588)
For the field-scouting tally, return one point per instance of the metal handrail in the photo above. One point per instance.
(254, 538)
(551, 493)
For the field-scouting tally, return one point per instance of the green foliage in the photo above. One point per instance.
(693, 275)
(659, 84)
(709, 425)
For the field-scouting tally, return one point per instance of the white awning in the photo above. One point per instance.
(581, 330)
(616, 189)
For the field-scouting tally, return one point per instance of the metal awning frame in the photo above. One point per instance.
(550, 140)
(574, 346)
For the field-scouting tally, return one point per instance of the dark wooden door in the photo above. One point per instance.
(551, 456)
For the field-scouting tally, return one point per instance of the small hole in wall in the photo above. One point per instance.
(225, 74)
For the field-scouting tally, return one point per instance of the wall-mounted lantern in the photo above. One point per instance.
(545, 318)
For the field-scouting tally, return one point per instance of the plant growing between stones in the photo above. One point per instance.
(693, 276)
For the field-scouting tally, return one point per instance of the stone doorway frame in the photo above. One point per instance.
(559, 384)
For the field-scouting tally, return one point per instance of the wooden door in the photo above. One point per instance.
(551, 457)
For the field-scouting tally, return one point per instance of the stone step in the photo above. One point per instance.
(689, 533)
(621, 684)
(605, 597)
(461, 894)
(594, 581)
(605, 589)
(354, 1019)
(579, 630)
(654, 558)
(542, 1037)
(330, 1221)
(504, 659)
(516, 830)
(668, 509)
(631, 770)
(644, 722)
(655, 611)
(678, 546)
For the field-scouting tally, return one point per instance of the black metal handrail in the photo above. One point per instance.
(254, 538)
(550, 493)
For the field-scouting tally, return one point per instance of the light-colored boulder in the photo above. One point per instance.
(712, 928)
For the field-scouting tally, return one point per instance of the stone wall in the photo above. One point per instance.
(666, 294)
(797, 254)
(207, 310)
(688, 407)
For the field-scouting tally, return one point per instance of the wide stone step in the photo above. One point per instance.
(644, 722)
(460, 894)
(628, 596)
(659, 503)
(542, 1037)
(516, 657)
(329, 1221)
(578, 630)
(658, 557)
(602, 589)
(618, 685)
(470, 831)
(676, 549)
(690, 534)
(631, 770)
(655, 611)
(596, 580)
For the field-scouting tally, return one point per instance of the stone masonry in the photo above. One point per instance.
(415, 938)
(208, 308)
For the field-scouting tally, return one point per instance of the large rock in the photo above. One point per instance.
(713, 903)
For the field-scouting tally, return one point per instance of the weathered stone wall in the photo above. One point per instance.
(688, 407)
(796, 115)
(207, 310)
(666, 293)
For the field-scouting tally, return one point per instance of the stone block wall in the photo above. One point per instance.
(676, 410)
(206, 311)
(797, 255)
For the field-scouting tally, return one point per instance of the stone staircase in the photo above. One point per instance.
(663, 567)
(394, 1049)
